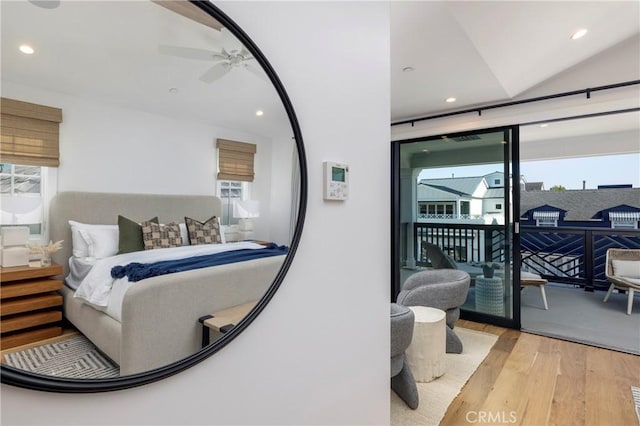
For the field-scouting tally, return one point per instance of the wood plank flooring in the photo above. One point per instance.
(533, 380)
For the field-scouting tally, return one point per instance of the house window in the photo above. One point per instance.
(498, 206)
(547, 219)
(20, 180)
(624, 220)
(229, 192)
(465, 207)
(496, 181)
(436, 209)
(21, 189)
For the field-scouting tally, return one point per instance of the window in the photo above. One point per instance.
(229, 191)
(498, 206)
(624, 220)
(496, 181)
(21, 188)
(549, 219)
(436, 209)
(17, 179)
(465, 207)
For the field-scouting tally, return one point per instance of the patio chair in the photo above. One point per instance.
(437, 258)
(622, 269)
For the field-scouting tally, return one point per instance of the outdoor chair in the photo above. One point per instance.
(622, 269)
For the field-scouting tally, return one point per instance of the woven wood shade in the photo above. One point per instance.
(235, 160)
(30, 133)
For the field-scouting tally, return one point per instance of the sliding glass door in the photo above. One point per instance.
(454, 203)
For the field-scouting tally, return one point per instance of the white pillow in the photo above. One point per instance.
(626, 268)
(223, 239)
(97, 241)
(184, 234)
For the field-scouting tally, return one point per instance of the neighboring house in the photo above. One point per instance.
(617, 208)
(476, 199)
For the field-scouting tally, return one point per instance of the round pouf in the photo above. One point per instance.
(425, 354)
(490, 295)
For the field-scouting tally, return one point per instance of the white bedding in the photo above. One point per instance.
(105, 293)
(79, 267)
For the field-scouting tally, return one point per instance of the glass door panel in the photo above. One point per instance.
(455, 196)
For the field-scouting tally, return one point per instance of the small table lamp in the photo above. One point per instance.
(246, 210)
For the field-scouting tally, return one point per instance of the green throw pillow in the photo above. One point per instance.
(130, 237)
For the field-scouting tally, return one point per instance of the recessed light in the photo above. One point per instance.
(578, 34)
(408, 69)
(259, 113)
(449, 100)
(26, 49)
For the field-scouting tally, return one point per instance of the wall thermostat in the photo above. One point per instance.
(336, 181)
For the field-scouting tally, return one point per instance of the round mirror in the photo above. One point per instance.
(174, 141)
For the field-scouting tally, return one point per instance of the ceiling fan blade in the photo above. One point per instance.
(230, 43)
(256, 70)
(189, 52)
(215, 72)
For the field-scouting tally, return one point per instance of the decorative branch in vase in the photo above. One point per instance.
(45, 252)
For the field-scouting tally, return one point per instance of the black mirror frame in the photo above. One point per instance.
(16, 377)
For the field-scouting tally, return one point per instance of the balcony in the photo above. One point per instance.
(560, 254)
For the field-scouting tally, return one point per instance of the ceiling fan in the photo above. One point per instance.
(232, 55)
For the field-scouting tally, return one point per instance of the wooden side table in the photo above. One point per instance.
(30, 305)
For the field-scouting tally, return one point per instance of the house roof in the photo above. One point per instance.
(459, 185)
(494, 193)
(580, 204)
(437, 193)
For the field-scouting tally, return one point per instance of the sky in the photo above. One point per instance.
(602, 170)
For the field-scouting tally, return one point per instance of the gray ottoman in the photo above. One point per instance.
(402, 381)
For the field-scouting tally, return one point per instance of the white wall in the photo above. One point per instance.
(107, 148)
(319, 353)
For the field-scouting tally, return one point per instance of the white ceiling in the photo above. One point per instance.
(490, 51)
(109, 51)
(479, 52)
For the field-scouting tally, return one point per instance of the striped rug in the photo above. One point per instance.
(635, 391)
(75, 357)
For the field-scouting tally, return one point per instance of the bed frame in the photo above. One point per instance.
(160, 314)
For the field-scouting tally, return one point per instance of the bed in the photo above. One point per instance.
(158, 317)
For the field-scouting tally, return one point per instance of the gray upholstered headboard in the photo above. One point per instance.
(104, 208)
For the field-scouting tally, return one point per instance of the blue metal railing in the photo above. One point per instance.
(560, 254)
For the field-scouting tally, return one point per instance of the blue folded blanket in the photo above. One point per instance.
(138, 271)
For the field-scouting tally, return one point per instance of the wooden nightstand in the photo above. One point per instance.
(30, 305)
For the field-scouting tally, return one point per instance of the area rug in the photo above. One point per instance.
(635, 391)
(75, 357)
(436, 396)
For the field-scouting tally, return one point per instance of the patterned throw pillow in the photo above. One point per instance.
(157, 236)
(207, 232)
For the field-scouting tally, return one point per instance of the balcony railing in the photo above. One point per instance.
(560, 254)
